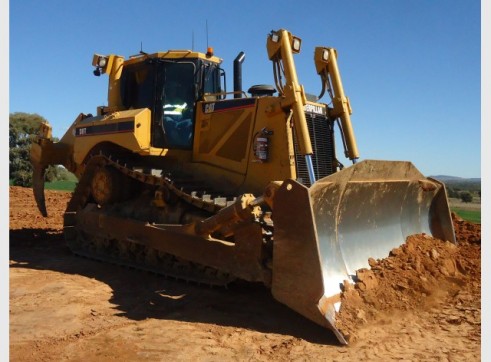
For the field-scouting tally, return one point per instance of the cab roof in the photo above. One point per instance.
(173, 54)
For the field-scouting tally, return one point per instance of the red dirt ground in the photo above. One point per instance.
(422, 302)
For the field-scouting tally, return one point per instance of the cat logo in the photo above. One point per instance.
(209, 108)
(311, 108)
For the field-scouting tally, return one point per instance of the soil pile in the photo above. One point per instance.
(419, 275)
(466, 232)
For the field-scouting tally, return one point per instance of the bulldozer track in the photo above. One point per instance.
(127, 254)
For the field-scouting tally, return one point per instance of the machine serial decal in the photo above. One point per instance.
(119, 127)
(228, 105)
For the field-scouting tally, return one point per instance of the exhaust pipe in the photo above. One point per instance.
(238, 74)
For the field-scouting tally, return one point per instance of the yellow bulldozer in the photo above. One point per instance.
(178, 176)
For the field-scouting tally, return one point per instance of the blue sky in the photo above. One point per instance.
(412, 69)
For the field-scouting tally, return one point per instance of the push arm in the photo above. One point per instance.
(281, 46)
(327, 67)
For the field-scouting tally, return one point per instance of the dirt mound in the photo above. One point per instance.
(466, 232)
(419, 275)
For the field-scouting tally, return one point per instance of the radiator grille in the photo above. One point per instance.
(322, 139)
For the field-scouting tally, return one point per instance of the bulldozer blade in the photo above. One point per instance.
(325, 233)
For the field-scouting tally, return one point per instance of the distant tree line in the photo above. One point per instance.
(465, 195)
(22, 129)
(471, 186)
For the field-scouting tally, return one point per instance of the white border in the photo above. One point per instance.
(4, 245)
(485, 177)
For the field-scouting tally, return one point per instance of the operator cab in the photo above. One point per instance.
(170, 84)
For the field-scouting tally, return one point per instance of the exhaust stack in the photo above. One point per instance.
(238, 74)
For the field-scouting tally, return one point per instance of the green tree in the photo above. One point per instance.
(452, 193)
(466, 196)
(22, 129)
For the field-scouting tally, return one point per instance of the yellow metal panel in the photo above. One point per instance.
(95, 130)
(281, 162)
(224, 140)
(143, 126)
(222, 137)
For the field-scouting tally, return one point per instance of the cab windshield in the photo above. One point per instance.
(170, 89)
(178, 98)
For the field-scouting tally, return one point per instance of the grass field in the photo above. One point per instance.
(60, 185)
(469, 211)
(468, 215)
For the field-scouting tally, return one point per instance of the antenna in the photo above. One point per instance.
(141, 48)
(209, 50)
(192, 42)
(140, 53)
